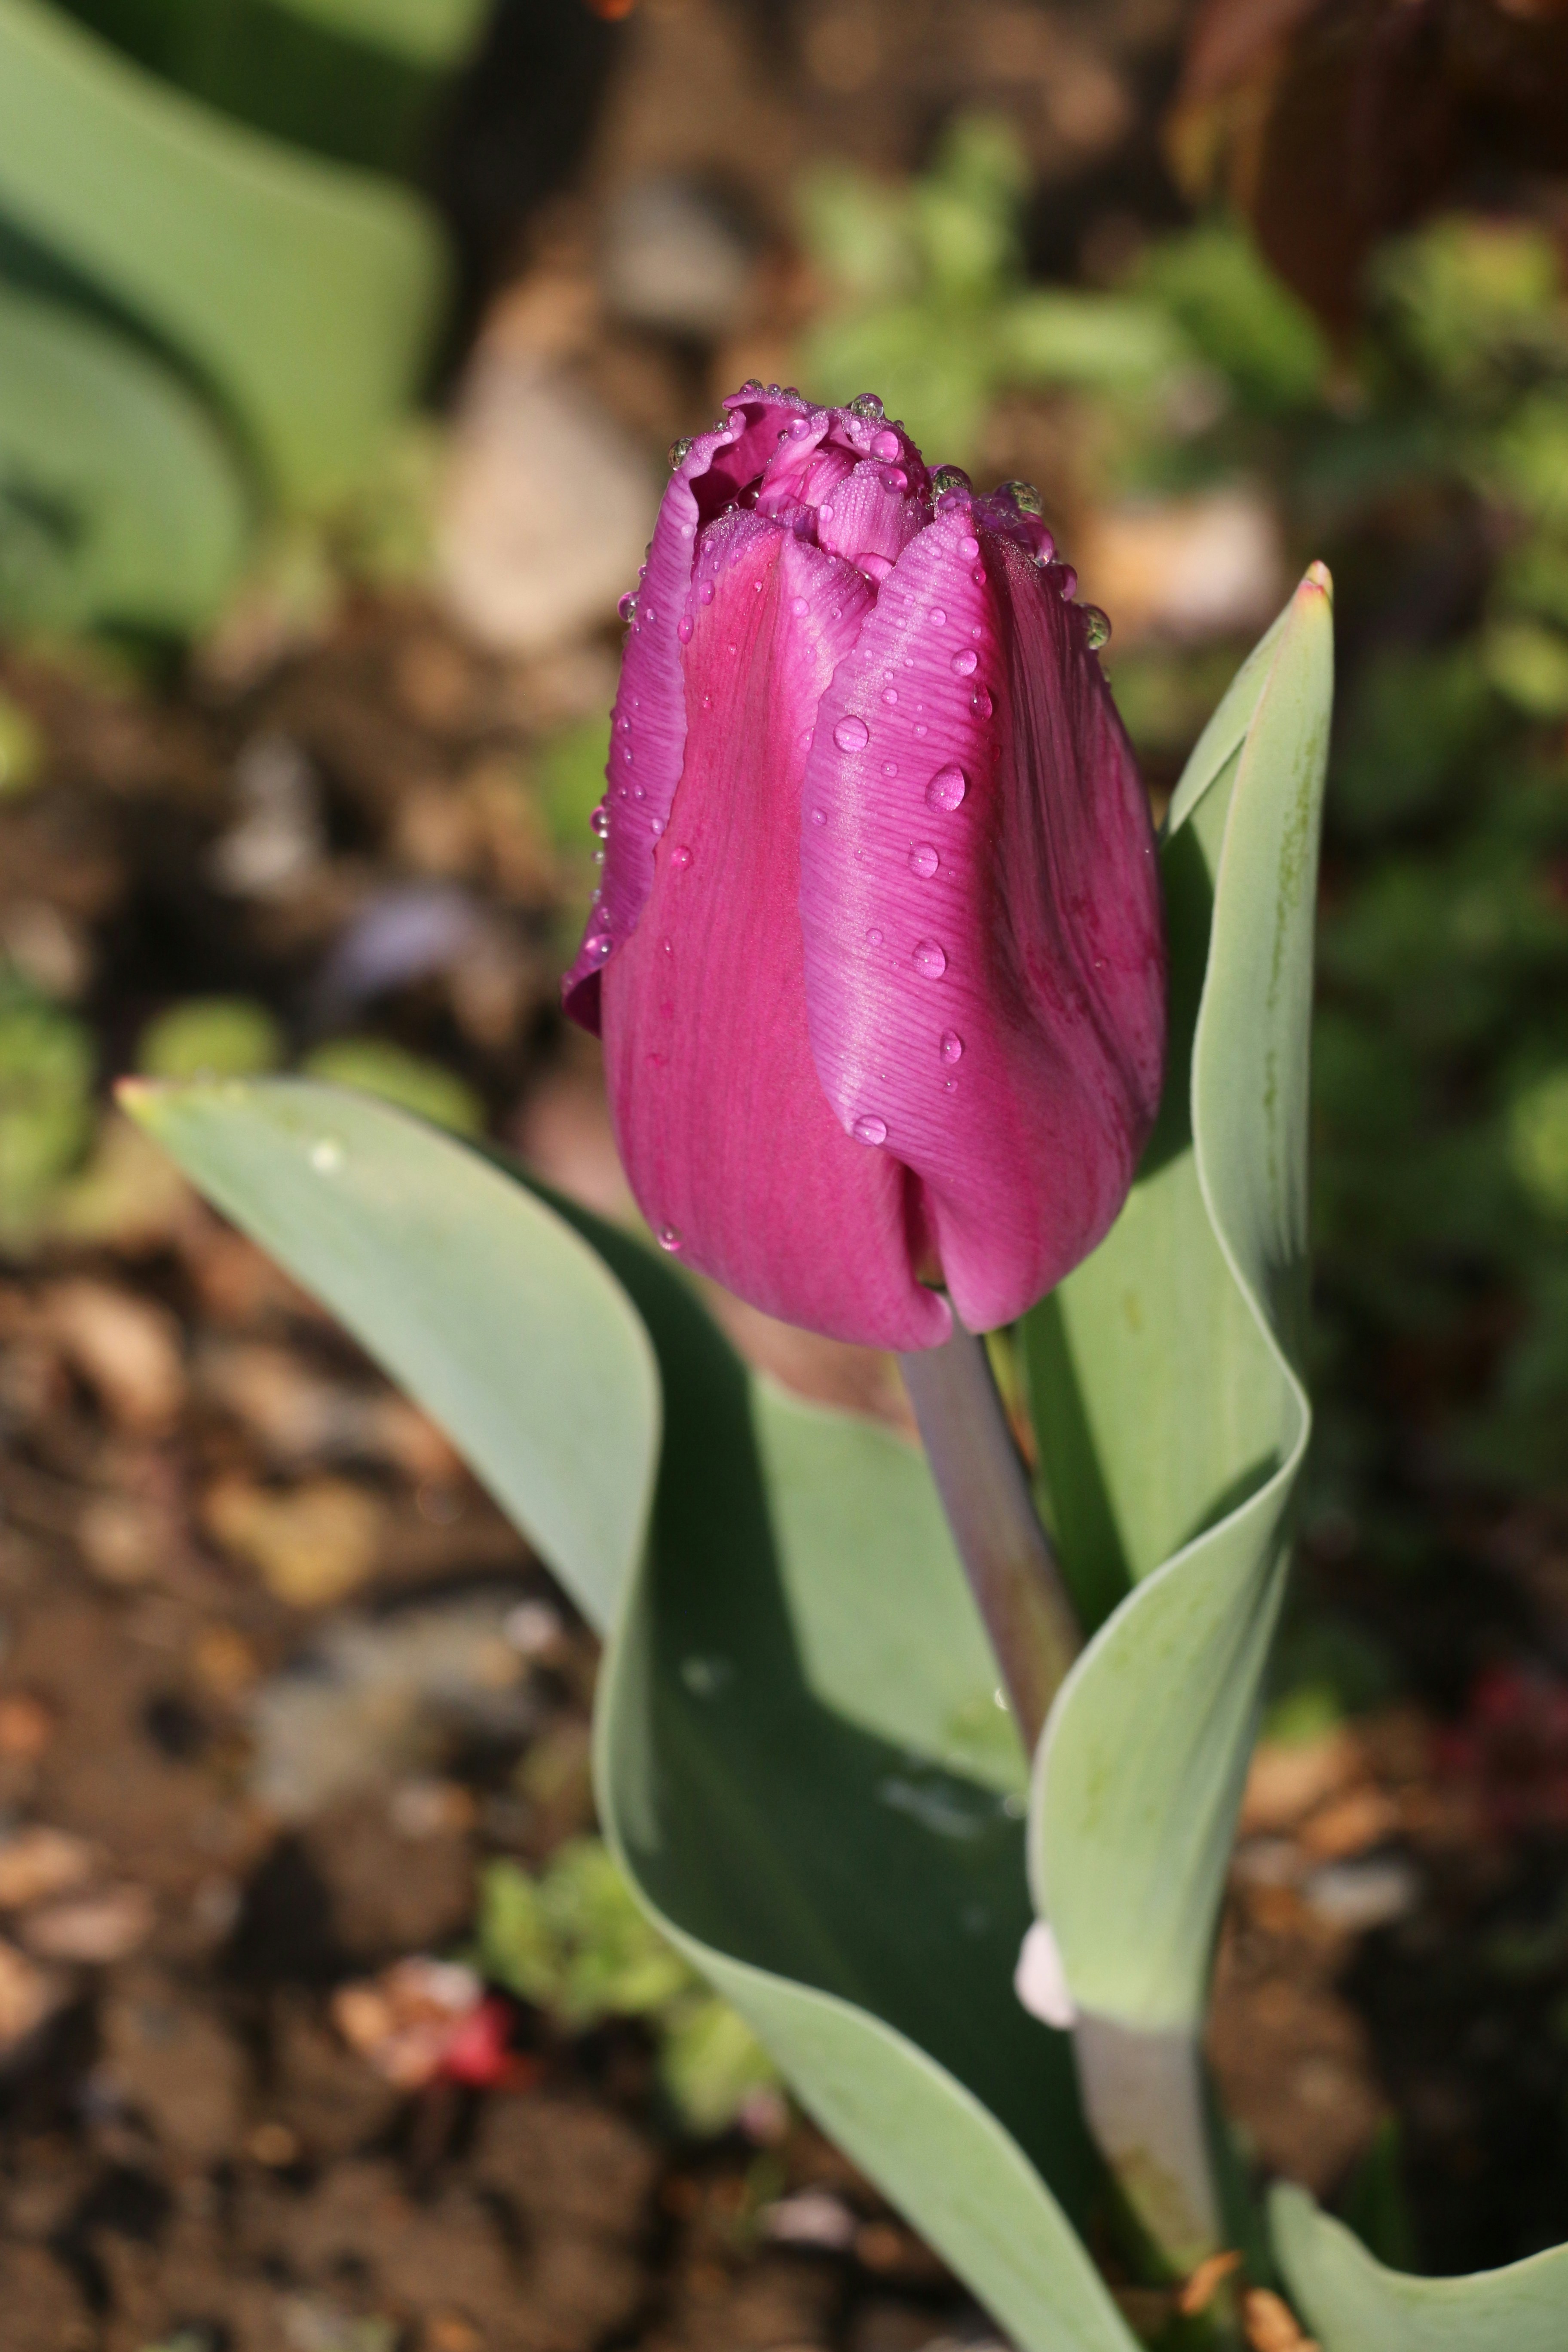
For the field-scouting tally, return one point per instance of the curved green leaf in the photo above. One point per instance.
(305, 292)
(1352, 2303)
(797, 1767)
(120, 499)
(799, 1759)
(475, 1296)
(1168, 1359)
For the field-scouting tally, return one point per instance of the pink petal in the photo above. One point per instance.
(732, 1148)
(984, 944)
(647, 725)
(869, 514)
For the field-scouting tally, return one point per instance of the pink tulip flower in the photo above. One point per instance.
(878, 957)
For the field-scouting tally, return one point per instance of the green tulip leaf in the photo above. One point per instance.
(1171, 1413)
(120, 498)
(475, 1295)
(1352, 2303)
(358, 79)
(303, 292)
(800, 1760)
(804, 1772)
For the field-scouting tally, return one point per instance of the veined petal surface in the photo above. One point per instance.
(984, 947)
(729, 1141)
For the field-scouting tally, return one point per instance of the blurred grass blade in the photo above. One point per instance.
(1352, 2303)
(470, 1293)
(120, 499)
(303, 292)
(1172, 1347)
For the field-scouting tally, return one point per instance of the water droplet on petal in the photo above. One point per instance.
(923, 859)
(326, 1157)
(600, 820)
(1024, 496)
(819, 816)
(800, 608)
(680, 857)
(798, 425)
(655, 826)
(597, 947)
(886, 446)
(937, 617)
(969, 547)
(948, 478)
(670, 1237)
(851, 734)
(931, 959)
(952, 1045)
(874, 939)
(1097, 628)
(889, 767)
(921, 726)
(896, 480)
(965, 664)
(679, 451)
(980, 702)
(978, 575)
(889, 695)
(705, 594)
(685, 628)
(870, 1129)
(627, 606)
(1066, 585)
(865, 404)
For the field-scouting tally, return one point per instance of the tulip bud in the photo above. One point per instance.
(879, 959)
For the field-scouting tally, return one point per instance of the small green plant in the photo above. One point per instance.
(927, 296)
(571, 1940)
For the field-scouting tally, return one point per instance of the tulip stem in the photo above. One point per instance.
(1012, 1569)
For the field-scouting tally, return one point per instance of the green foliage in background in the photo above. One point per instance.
(47, 1070)
(927, 303)
(377, 1067)
(211, 305)
(572, 1939)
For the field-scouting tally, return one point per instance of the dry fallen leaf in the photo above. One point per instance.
(1198, 2291)
(95, 1930)
(40, 1861)
(1270, 2324)
(126, 1348)
(312, 1544)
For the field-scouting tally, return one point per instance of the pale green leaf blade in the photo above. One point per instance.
(235, 251)
(1172, 1346)
(1352, 2303)
(816, 1839)
(1226, 730)
(472, 1294)
(151, 507)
